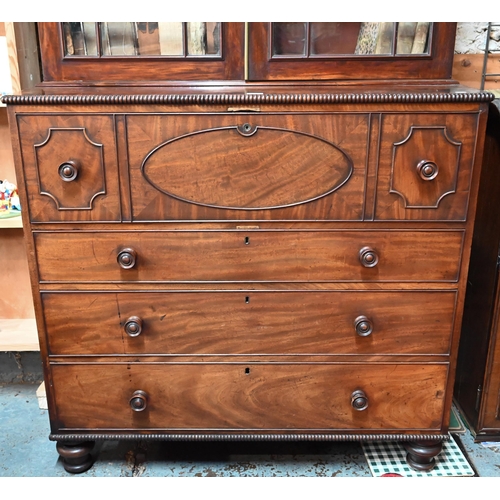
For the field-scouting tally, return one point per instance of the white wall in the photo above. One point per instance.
(471, 38)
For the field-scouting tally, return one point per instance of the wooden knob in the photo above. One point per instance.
(126, 258)
(133, 326)
(68, 171)
(368, 257)
(359, 401)
(139, 401)
(427, 170)
(363, 326)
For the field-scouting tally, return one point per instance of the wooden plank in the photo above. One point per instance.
(41, 395)
(18, 335)
(16, 301)
(12, 51)
(22, 45)
(12, 222)
(468, 70)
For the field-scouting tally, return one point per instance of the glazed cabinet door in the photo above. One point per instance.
(325, 51)
(118, 52)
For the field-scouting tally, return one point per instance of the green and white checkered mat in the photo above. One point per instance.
(390, 458)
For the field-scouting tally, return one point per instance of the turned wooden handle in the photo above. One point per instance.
(127, 258)
(133, 326)
(68, 171)
(359, 401)
(139, 401)
(363, 326)
(427, 170)
(368, 257)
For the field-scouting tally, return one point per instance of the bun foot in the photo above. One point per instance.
(76, 457)
(422, 455)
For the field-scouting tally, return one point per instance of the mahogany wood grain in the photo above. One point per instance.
(16, 300)
(252, 256)
(314, 163)
(50, 141)
(249, 322)
(409, 139)
(249, 396)
(490, 404)
(477, 383)
(57, 68)
(273, 278)
(264, 67)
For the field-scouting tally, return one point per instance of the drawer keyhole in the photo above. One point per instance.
(247, 371)
(247, 300)
(247, 240)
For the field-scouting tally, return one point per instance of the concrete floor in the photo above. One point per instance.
(25, 451)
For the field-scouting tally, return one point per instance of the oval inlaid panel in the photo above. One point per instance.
(247, 167)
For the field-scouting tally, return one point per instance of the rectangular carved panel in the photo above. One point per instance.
(70, 167)
(425, 166)
(247, 166)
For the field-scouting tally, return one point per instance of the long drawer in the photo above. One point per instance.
(327, 322)
(249, 256)
(250, 396)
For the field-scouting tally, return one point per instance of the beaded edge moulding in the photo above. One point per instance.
(248, 437)
(250, 99)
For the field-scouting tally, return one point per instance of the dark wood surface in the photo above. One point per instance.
(283, 161)
(437, 65)
(57, 68)
(240, 396)
(202, 254)
(116, 70)
(249, 256)
(477, 386)
(283, 289)
(447, 141)
(250, 322)
(48, 142)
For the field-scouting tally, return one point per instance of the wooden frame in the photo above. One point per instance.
(437, 65)
(113, 70)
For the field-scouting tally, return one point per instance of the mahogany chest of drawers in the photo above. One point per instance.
(296, 270)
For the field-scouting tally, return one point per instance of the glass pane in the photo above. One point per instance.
(171, 43)
(148, 39)
(289, 38)
(90, 32)
(79, 39)
(334, 38)
(375, 38)
(213, 38)
(142, 39)
(119, 39)
(413, 38)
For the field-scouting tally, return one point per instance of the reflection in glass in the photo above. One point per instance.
(79, 39)
(361, 39)
(213, 38)
(148, 39)
(289, 38)
(375, 38)
(142, 39)
(119, 39)
(412, 38)
(334, 38)
(171, 39)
